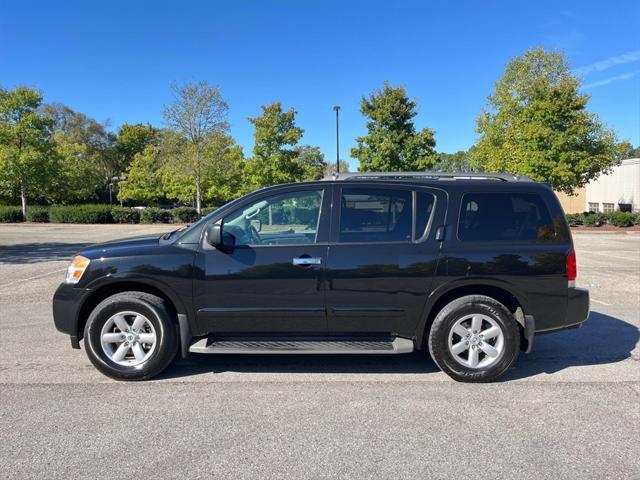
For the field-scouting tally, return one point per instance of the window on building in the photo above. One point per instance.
(504, 216)
(375, 215)
(608, 207)
(594, 206)
(625, 207)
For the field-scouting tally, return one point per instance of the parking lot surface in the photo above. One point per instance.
(570, 409)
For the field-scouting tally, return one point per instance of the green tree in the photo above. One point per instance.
(131, 140)
(27, 157)
(454, 162)
(330, 167)
(537, 125)
(197, 113)
(311, 159)
(224, 170)
(274, 161)
(392, 142)
(144, 178)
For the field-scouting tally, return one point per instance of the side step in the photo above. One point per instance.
(297, 345)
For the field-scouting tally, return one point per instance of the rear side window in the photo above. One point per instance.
(375, 215)
(504, 216)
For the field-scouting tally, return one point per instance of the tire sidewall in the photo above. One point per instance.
(165, 342)
(439, 340)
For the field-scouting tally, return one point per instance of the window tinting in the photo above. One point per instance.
(504, 216)
(424, 207)
(375, 215)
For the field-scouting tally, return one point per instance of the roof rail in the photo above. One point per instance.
(504, 177)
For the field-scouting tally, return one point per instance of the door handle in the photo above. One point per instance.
(307, 261)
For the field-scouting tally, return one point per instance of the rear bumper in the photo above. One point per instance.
(577, 306)
(67, 302)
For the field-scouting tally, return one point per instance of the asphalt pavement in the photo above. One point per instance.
(570, 409)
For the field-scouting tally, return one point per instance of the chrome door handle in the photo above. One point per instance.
(306, 261)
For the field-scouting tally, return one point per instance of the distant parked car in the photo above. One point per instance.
(469, 267)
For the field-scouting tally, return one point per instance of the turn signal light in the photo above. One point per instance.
(78, 265)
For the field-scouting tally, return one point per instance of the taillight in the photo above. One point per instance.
(572, 268)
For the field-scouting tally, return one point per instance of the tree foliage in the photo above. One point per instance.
(274, 160)
(537, 125)
(197, 113)
(392, 142)
(27, 156)
(454, 162)
(144, 180)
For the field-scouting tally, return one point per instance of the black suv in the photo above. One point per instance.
(467, 266)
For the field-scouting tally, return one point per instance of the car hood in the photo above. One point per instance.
(121, 247)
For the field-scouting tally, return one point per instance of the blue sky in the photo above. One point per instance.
(115, 60)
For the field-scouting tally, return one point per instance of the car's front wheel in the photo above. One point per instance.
(131, 336)
(474, 339)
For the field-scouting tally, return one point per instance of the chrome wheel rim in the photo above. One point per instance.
(476, 341)
(128, 338)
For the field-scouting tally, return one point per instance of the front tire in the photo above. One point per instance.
(131, 336)
(474, 339)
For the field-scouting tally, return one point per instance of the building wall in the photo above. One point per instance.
(622, 185)
(576, 203)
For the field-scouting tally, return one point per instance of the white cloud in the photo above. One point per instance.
(607, 63)
(607, 81)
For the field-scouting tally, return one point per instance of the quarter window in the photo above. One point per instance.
(375, 215)
(504, 216)
(289, 218)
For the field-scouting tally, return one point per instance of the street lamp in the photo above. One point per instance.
(337, 110)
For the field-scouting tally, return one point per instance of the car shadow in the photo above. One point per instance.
(25, 253)
(602, 339)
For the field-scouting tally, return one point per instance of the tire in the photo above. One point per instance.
(153, 343)
(472, 357)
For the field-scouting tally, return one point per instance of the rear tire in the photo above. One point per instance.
(474, 339)
(131, 336)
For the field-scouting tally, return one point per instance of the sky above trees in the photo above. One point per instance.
(117, 59)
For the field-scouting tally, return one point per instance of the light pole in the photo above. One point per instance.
(115, 179)
(337, 110)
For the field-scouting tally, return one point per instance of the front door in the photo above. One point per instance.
(382, 257)
(271, 281)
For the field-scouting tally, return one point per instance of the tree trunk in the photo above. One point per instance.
(23, 199)
(198, 195)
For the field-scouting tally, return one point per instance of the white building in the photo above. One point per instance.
(619, 190)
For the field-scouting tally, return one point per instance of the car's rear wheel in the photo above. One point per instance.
(474, 339)
(131, 336)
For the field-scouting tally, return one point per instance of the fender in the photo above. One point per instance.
(471, 281)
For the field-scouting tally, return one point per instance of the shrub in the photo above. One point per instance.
(80, 214)
(575, 219)
(155, 215)
(184, 215)
(636, 218)
(38, 214)
(10, 214)
(125, 215)
(594, 219)
(620, 219)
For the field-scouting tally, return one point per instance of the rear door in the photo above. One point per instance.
(382, 256)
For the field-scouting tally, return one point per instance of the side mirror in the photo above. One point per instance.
(257, 224)
(213, 235)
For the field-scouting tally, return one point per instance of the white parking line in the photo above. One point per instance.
(601, 302)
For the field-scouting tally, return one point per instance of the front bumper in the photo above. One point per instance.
(67, 303)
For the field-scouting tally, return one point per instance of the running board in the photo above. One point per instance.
(310, 345)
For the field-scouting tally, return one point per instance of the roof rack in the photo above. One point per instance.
(504, 177)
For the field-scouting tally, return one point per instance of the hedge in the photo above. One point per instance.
(80, 214)
(125, 215)
(37, 214)
(155, 215)
(10, 214)
(184, 215)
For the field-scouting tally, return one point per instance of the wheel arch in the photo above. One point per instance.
(505, 293)
(112, 288)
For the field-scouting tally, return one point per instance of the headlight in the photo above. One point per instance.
(78, 265)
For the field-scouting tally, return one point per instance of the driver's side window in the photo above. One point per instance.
(288, 218)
